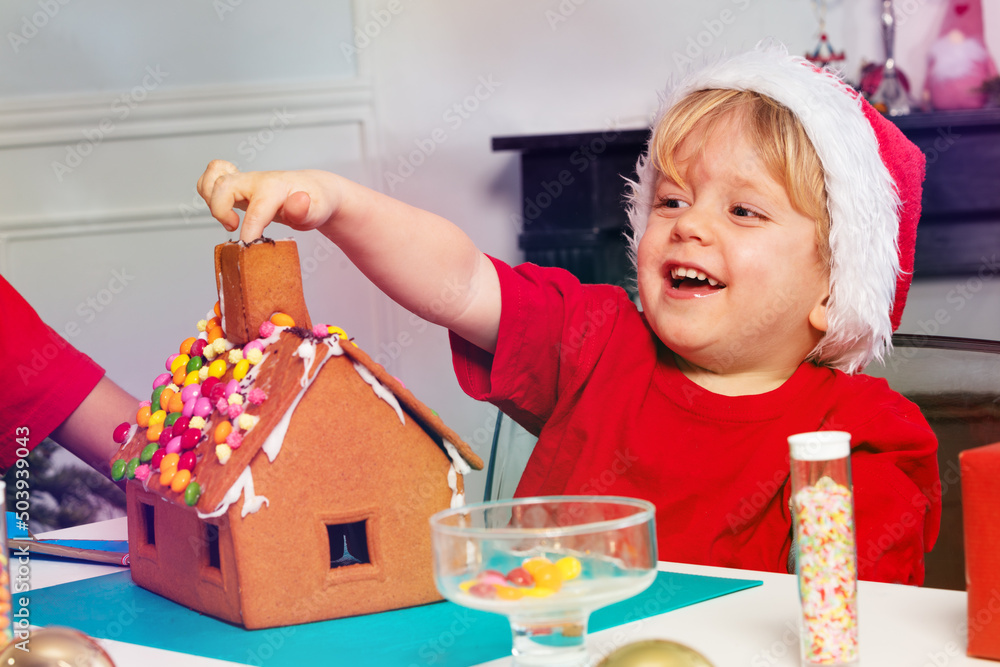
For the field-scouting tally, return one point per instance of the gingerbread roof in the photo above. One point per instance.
(228, 402)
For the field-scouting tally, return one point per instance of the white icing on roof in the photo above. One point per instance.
(380, 390)
(242, 486)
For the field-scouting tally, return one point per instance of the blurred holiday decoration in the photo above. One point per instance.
(55, 647)
(824, 54)
(960, 71)
(655, 653)
(886, 86)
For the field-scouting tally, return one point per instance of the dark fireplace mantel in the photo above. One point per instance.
(573, 188)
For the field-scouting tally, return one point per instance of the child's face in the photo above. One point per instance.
(729, 273)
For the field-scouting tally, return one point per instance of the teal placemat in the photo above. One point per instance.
(440, 634)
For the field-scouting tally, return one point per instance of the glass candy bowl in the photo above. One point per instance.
(546, 563)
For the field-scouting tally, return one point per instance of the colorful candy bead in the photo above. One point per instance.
(173, 445)
(520, 577)
(170, 461)
(142, 472)
(176, 403)
(241, 369)
(157, 418)
(186, 345)
(202, 325)
(190, 391)
(234, 440)
(337, 331)
(235, 399)
(221, 431)
(161, 379)
(179, 361)
(214, 334)
(153, 432)
(146, 455)
(187, 461)
(266, 329)
(246, 421)
(118, 470)
(321, 331)
(217, 368)
(178, 378)
(154, 399)
(202, 407)
(569, 567)
(193, 377)
(208, 385)
(157, 458)
(131, 466)
(170, 361)
(220, 345)
(142, 416)
(167, 475)
(231, 387)
(191, 438)
(120, 433)
(197, 422)
(254, 356)
(217, 309)
(198, 347)
(165, 397)
(235, 356)
(257, 396)
(192, 493)
(282, 320)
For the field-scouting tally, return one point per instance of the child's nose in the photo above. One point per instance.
(693, 225)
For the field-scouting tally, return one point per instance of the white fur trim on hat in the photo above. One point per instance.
(861, 195)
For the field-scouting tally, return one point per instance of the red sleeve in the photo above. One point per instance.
(550, 326)
(46, 378)
(897, 489)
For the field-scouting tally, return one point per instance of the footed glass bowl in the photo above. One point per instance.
(546, 563)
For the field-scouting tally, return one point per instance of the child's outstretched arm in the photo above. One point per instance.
(420, 260)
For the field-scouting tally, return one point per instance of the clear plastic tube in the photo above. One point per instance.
(826, 555)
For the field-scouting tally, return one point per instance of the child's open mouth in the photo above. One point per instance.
(688, 279)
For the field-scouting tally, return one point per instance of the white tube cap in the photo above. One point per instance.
(820, 445)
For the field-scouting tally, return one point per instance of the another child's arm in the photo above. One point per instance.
(87, 430)
(420, 260)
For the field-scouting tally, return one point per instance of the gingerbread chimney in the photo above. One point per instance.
(255, 281)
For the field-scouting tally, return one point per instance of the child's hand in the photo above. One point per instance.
(300, 199)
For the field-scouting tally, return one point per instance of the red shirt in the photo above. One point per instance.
(45, 378)
(578, 366)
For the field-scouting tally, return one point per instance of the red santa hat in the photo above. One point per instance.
(873, 177)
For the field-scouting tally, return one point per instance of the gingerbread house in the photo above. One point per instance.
(278, 474)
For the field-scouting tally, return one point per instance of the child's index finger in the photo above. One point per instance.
(260, 212)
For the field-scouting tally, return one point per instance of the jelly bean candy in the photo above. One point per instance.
(187, 461)
(161, 379)
(154, 399)
(193, 377)
(569, 567)
(121, 433)
(157, 457)
(173, 445)
(214, 334)
(191, 438)
(282, 320)
(179, 361)
(548, 576)
(520, 577)
(118, 469)
(171, 419)
(538, 592)
(193, 364)
(241, 370)
(509, 593)
(153, 432)
(491, 577)
(167, 475)
(165, 397)
(198, 348)
(131, 466)
(202, 407)
(186, 345)
(216, 369)
(190, 391)
(147, 452)
(170, 361)
(481, 590)
(142, 416)
(192, 493)
(180, 481)
(532, 564)
(221, 432)
(170, 461)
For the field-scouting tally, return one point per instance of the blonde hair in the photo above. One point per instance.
(775, 133)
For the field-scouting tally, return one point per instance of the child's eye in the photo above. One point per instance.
(741, 211)
(670, 202)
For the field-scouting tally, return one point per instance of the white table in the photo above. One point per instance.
(900, 626)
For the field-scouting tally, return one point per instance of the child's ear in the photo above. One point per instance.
(817, 316)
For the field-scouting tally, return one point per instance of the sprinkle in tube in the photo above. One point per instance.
(826, 555)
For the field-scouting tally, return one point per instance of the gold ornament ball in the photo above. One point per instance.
(655, 653)
(56, 647)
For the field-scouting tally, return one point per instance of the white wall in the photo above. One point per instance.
(364, 99)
